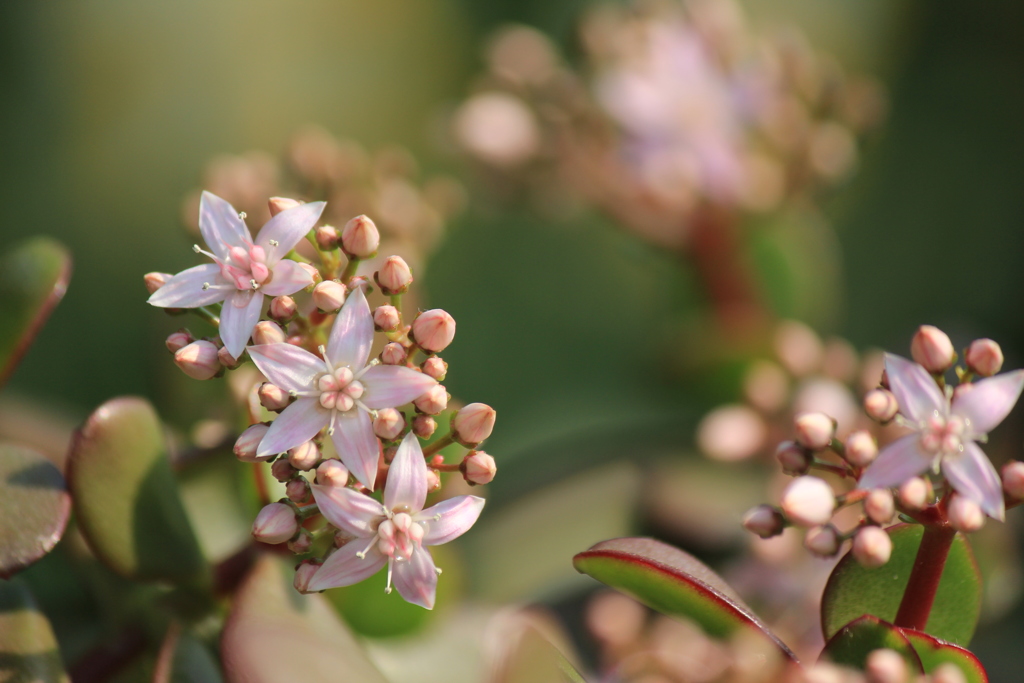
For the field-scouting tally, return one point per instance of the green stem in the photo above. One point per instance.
(207, 315)
(350, 270)
(916, 606)
(443, 442)
(396, 301)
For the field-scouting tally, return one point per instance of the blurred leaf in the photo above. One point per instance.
(534, 659)
(34, 507)
(28, 648)
(213, 490)
(672, 582)
(853, 590)
(126, 498)
(183, 659)
(33, 279)
(275, 634)
(855, 641)
(932, 652)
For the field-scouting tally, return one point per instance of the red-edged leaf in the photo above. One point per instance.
(934, 652)
(858, 639)
(34, 507)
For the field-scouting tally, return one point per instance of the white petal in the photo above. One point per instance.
(987, 402)
(915, 390)
(289, 277)
(287, 228)
(185, 290)
(357, 446)
(297, 424)
(221, 226)
(344, 567)
(457, 514)
(899, 461)
(355, 513)
(416, 578)
(388, 386)
(973, 477)
(352, 334)
(287, 366)
(240, 313)
(407, 477)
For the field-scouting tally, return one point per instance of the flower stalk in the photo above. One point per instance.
(919, 596)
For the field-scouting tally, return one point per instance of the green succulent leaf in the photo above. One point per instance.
(852, 644)
(34, 507)
(535, 659)
(184, 659)
(28, 648)
(933, 652)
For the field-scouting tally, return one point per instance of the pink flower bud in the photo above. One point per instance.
(814, 430)
(155, 281)
(872, 547)
(433, 401)
(879, 506)
(198, 360)
(248, 441)
(886, 666)
(913, 493)
(731, 432)
(275, 524)
(932, 348)
(478, 468)
(226, 359)
(794, 458)
(822, 540)
(279, 204)
(329, 295)
(808, 501)
(424, 426)
(434, 367)
(1013, 479)
(984, 357)
(178, 340)
(313, 272)
(473, 423)
(305, 456)
(267, 332)
(298, 490)
(386, 318)
(282, 309)
(304, 572)
(332, 473)
(282, 470)
(393, 354)
(359, 238)
(327, 237)
(301, 544)
(861, 448)
(880, 405)
(964, 514)
(764, 520)
(948, 673)
(433, 330)
(273, 397)
(394, 277)
(433, 480)
(389, 424)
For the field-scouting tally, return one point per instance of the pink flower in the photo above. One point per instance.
(394, 533)
(339, 391)
(946, 431)
(243, 270)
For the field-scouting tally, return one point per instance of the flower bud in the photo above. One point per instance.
(178, 340)
(359, 238)
(226, 359)
(274, 524)
(305, 456)
(434, 367)
(886, 666)
(433, 330)
(932, 348)
(913, 493)
(304, 572)
(861, 448)
(386, 318)
(880, 405)
(473, 423)
(823, 540)
(279, 204)
(327, 237)
(984, 357)
(1013, 479)
(198, 360)
(313, 272)
(879, 506)
(964, 514)
(394, 277)
(267, 332)
(282, 309)
(301, 544)
(872, 547)
(814, 430)
(433, 480)
(764, 520)
(329, 295)
(424, 426)
(389, 424)
(433, 401)
(298, 490)
(332, 473)
(948, 673)
(393, 354)
(808, 501)
(273, 397)
(248, 441)
(282, 470)
(794, 458)
(478, 468)
(155, 281)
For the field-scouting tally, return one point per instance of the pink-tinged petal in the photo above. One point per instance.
(287, 366)
(357, 446)
(986, 402)
(355, 513)
(297, 424)
(899, 461)
(352, 334)
(456, 514)
(289, 277)
(973, 476)
(287, 228)
(388, 386)
(240, 313)
(185, 290)
(221, 226)
(344, 567)
(416, 578)
(915, 390)
(407, 477)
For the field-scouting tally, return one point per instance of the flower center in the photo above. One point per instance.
(399, 536)
(339, 391)
(943, 435)
(244, 268)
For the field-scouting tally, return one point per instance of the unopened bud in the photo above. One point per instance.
(433, 330)
(267, 332)
(860, 448)
(932, 348)
(433, 401)
(304, 573)
(478, 468)
(879, 506)
(313, 272)
(880, 405)
(327, 237)
(389, 424)
(424, 426)
(298, 490)
(822, 540)
(984, 357)
(433, 480)
(808, 501)
(913, 493)
(305, 456)
(279, 204)
(332, 473)
(794, 458)
(885, 666)
(198, 360)
(274, 524)
(301, 544)
(394, 277)
(764, 520)
(155, 281)
(948, 673)
(473, 423)
(1013, 479)
(386, 318)
(282, 470)
(393, 354)
(964, 514)
(872, 547)
(226, 359)
(273, 397)
(435, 367)
(329, 295)
(178, 340)
(359, 238)
(282, 309)
(248, 442)
(814, 430)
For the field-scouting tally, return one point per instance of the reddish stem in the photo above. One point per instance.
(916, 606)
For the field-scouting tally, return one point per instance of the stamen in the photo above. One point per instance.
(438, 570)
(362, 553)
(292, 393)
(206, 286)
(196, 248)
(274, 243)
(254, 284)
(387, 588)
(437, 517)
(330, 429)
(241, 215)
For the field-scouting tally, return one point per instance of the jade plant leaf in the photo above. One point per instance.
(672, 582)
(28, 648)
(853, 590)
(268, 617)
(852, 644)
(184, 659)
(34, 507)
(535, 659)
(126, 498)
(33, 279)
(933, 652)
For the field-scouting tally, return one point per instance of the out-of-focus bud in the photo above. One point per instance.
(329, 295)
(198, 360)
(1013, 479)
(814, 430)
(879, 506)
(304, 572)
(433, 401)
(279, 204)
(386, 318)
(360, 238)
(298, 490)
(822, 540)
(794, 458)
(731, 432)
(913, 493)
(964, 514)
(932, 348)
(984, 357)
(473, 423)
(478, 468)
(313, 272)
(433, 480)
(248, 441)
(424, 426)
(872, 547)
(388, 424)
(798, 347)
(305, 456)
(435, 367)
(282, 470)
(226, 359)
(327, 237)
(764, 520)
(301, 544)
(808, 501)
(433, 330)
(766, 386)
(274, 524)
(886, 666)
(267, 332)
(393, 354)
(948, 673)
(880, 405)
(178, 340)
(155, 281)
(394, 277)
(282, 309)
(273, 397)
(860, 449)
(332, 473)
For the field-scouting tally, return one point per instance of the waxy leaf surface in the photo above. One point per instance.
(28, 648)
(934, 652)
(858, 639)
(34, 507)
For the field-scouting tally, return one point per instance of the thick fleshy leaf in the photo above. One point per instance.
(289, 277)
(221, 226)
(672, 582)
(350, 511)
(287, 366)
(28, 648)
(240, 313)
(416, 578)
(450, 518)
(973, 476)
(407, 477)
(33, 279)
(297, 424)
(125, 496)
(268, 617)
(532, 658)
(352, 333)
(915, 390)
(987, 402)
(934, 652)
(352, 563)
(184, 659)
(287, 228)
(388, 386)
(853, 590)
(34, 507)
(185, 290)
(897, 462)
(858, 639)
(357, 446)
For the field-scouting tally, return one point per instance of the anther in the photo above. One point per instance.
(437, 517)
(274, 243)
(206, 286)
(293, 394)
(241, 215)
(438, 570)
(361, 554)
(322, 349)
(196, 248)
(254, 284)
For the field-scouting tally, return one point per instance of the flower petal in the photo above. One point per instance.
(407, 477)
(915, 390)
(287, 366)
(344, 567)
(456, 514)
(287, 228)
(297, 424)
(416, 578)
(352, 334)
(185, 290)
(289, 277)
(221, 226)
(388, 386)
(351, 512)
(357, 446)
(988, 401)
(973, 476)
(899, 461)
(240, 313)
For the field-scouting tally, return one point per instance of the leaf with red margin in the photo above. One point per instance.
(934, 652)
(34, 508)
(852, 644)
(673, 582)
